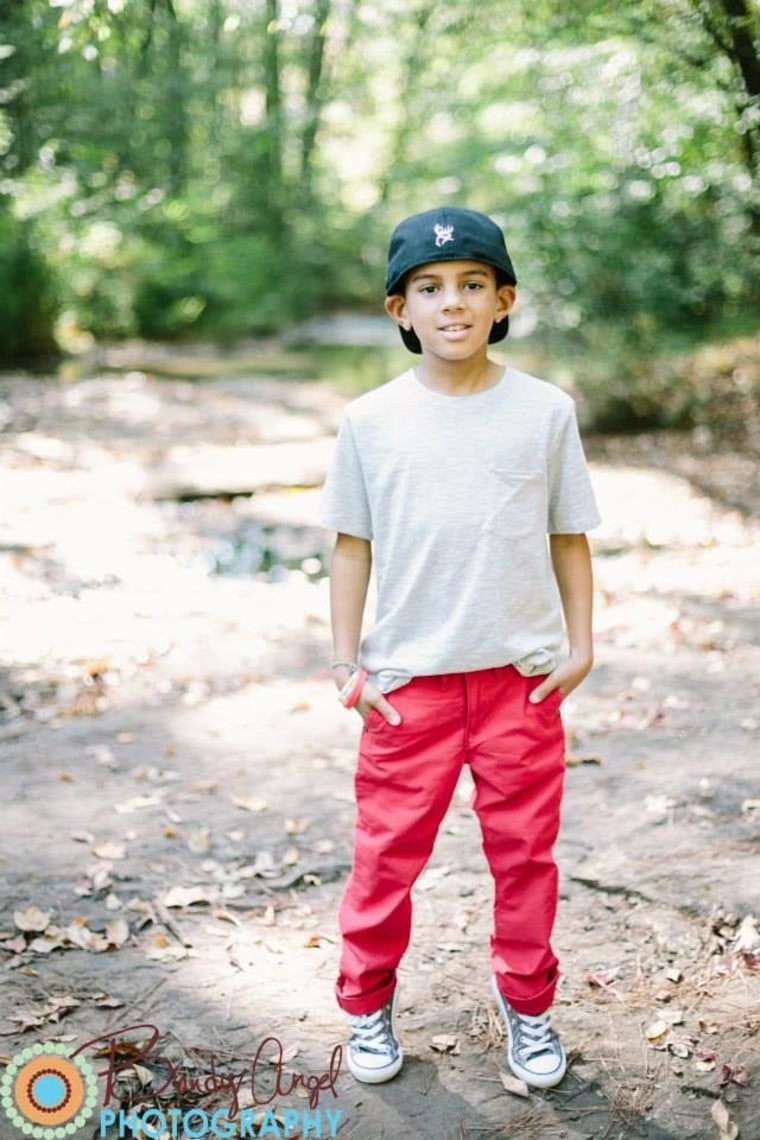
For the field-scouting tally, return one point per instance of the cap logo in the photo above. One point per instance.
(443, 234)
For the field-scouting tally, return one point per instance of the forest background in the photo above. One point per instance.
(217, 169)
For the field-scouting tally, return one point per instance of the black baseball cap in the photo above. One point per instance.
(449, 233)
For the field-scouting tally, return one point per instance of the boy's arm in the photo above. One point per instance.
(571, 560)
(350, 568)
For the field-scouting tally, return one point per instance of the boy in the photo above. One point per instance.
(449, 478)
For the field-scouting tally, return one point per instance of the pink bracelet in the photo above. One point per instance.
(352, 690)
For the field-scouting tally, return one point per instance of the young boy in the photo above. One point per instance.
(449, 478)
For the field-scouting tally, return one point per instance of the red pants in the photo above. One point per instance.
(405, 780)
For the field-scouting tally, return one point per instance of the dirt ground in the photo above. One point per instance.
(177, 783)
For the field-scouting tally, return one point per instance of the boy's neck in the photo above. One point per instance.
(458, 377)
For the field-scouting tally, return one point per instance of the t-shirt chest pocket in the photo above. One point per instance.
(515, 502)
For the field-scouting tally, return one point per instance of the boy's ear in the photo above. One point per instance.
(506, 295)
(395, 307)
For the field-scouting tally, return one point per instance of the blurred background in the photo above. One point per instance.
(218, 169)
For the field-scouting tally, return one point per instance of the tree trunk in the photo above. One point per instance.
(176, 117)
(734, 26)
(315, 97)
(274, 202)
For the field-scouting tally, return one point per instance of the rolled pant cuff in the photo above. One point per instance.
(533, 1005)
(366, 1003)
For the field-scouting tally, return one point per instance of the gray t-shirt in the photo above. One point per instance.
(457, 495)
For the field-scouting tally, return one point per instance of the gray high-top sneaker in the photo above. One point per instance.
(534, 1051)
(374, 1054)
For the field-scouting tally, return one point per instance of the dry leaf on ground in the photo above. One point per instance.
(513, 1084)
(187, 896)
(727, 1129)
(734, 1075)
(54, 938)
(249, 803)
(106, 1001)
(117, 932)
(110, 849)
(32, 919)
(79, 934)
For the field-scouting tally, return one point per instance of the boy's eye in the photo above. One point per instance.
(428, 289)
(472, 286)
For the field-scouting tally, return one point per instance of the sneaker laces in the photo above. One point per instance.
(372, 1032)
(535, 1034)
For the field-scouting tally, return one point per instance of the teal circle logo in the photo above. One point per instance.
(48, 1094)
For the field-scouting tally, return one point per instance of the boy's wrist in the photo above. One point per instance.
(342, 669)
(582, 659)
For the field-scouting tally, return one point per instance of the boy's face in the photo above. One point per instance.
(451, 305)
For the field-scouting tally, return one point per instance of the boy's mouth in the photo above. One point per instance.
(454, 328)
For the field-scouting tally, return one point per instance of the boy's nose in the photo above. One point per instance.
(452, 299)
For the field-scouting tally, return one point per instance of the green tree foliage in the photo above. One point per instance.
(218, 167)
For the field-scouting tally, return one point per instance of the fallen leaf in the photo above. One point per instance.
(54, 938)
(291, 857)
(102, 754)
(445, 1043)
(137, 803)
(117, 932)
(313, 942)
(263, 865)
(57, 1008)
(144, 1075)
(79, 934)
(170, 953)
(32, 919)
(186, 896)
(288, 1054)
(733, 1075)
(727, 1130)
(109, 849)
(199, 840)
(747, 940)
(105, 1001)
(27, 1020)
(576, 761)
(233, 890)
(139, 906)
(249, 803)
(430, 878)
(296, 826)
(222, 915)
(603, 978)
(674, 975)
(513, 1084)
(14, 945)
(205, 785)
(656, 1029)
